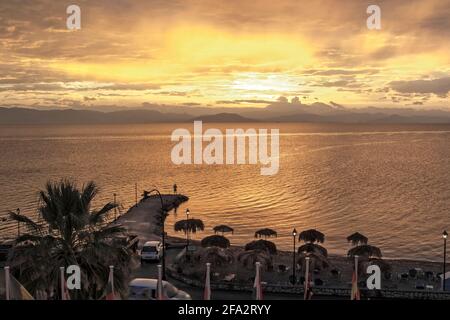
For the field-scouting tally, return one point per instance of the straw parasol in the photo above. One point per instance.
(250, 257)
(313, 248)
(215, 241)
(317, 261)
(268, 246)
(312, 235)
(266, 233)
(366, 251)
(191, 225)
(223, 229)
(357, 239)
(215, 255)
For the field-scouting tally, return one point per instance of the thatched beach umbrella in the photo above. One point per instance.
(215, 255)
(357, 239)
(250, 257)
(191, 225)
(366, 251)
(266, 233)
(265, 245)
(317, 261)
(215, 241)
(311, 236)
(223, 229)
(313, 248)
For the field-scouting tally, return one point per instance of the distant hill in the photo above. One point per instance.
(276, 112)
(70, 116)
(223, 117)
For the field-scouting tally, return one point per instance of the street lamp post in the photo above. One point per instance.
(187, 230)
(444, 235)
(294, 235)
(163, 232)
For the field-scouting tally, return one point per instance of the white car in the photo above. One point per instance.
(145, 289)
(151, 251)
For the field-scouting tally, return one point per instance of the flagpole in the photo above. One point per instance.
(111, 275)
(159, 293)
(207, 295)
(61, 282)
(258, 281)
(306, 278)
(7, 283)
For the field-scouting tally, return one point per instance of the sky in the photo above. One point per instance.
(247, 53)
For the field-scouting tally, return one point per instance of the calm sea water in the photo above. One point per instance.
(390, 182)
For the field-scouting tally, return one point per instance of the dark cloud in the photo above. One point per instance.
(339, 83)
(439, 87)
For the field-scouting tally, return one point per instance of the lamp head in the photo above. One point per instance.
(444, 234)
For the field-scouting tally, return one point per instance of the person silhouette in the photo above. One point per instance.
(175, 189)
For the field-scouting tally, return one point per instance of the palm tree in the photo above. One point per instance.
(70, 234)
(266, 233)
(189, 225)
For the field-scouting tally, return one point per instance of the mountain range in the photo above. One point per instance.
(274, 112)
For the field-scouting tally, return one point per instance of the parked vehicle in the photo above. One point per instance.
(145, 289)
(151, 251)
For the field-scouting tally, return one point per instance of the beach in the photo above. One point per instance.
(406, 275)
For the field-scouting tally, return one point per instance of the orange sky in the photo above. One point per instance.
(217, 53)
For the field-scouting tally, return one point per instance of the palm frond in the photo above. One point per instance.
(24, 219)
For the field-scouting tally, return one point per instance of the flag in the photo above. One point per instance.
(64, 291)
(14, 289)
(18, 291)
(257, 285)
(355, 291)
(207, 292)
(308, 290)
(110, 294)
(159, 285)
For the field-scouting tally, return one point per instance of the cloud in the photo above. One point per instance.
(239, 101)
(69, 86)
(132, 86)
(439, 87)
(337, 72)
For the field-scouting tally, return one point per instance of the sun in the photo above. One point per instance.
(266, 83)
